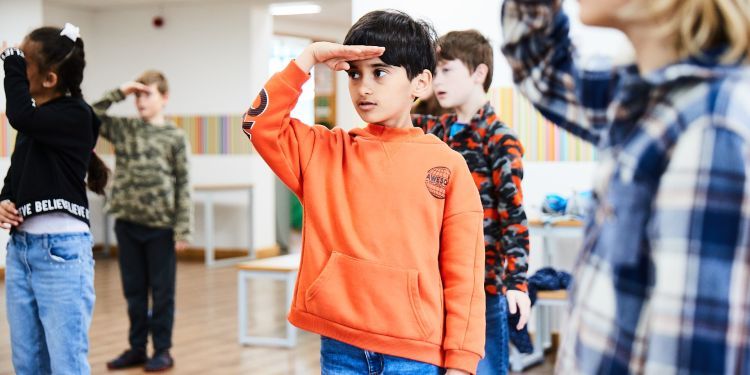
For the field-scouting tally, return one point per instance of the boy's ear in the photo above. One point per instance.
(421, 85)
(480, 73)
(50, 80)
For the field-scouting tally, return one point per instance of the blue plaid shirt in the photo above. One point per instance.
(662, 285)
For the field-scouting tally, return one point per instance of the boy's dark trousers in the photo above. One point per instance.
(147, 263)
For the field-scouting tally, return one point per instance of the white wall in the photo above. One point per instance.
(203, 48)
(312, 30)
(17, 18)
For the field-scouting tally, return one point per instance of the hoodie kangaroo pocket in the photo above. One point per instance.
(370, 297)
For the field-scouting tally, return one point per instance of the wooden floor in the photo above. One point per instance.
(205, 337)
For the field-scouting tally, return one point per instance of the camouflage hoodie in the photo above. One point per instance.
(151, 185)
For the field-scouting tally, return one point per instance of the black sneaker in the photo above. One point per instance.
(129, 358)
(159, 362)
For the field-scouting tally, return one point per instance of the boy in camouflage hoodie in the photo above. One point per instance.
(494, 156)
(150, 198)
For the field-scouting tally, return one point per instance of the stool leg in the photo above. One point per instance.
(242, 306)
(208, 217)
(291, 331)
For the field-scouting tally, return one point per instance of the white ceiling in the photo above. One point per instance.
(334, 12)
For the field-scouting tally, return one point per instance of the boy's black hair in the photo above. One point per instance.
(58, 53)
(408, 43)
(63, 56)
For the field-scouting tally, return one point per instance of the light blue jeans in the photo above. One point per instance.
(49, 287)
(338, 358)
(496, 352)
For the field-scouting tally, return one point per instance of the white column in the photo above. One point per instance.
(17, 18)
(260, 43)
(261, 35)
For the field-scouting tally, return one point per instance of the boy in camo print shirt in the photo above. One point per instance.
(150, 198)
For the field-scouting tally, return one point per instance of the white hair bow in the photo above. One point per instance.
(71, 31)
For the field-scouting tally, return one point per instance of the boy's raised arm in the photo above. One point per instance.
(540, 52)
(111, 127)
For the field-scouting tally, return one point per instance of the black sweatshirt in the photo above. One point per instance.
(52, 151)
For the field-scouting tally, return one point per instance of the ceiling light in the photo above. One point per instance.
(290, 9)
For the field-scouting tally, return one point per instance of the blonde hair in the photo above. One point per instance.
(150, 77)
(696, 26)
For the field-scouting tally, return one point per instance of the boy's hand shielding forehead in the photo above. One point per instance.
(336, 56)
(133, 87)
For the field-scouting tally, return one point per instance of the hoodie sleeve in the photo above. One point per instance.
(113, 127)
(183, 227)
(462, 270)
(285, 143)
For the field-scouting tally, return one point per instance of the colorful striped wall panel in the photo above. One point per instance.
(208, 135)
(222, 134)
(542, 140)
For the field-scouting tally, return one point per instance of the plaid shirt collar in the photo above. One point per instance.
(704, 67)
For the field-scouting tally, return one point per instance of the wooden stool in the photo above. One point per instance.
(281, 268)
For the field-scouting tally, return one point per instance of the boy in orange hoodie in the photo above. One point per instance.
(392, 263)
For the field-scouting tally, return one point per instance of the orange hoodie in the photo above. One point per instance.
(392, 249)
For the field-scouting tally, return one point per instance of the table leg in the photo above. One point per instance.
(106, 235)
(250, 233)
(208, 215)
(242, 306)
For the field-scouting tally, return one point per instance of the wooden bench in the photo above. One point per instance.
(280, 268)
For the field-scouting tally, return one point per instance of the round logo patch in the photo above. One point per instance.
(437, 180)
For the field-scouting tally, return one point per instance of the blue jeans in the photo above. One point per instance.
(496, 352)
(338, 358)
(49, 287)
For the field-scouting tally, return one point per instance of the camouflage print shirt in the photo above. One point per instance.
(151, 185)
(493, 155)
